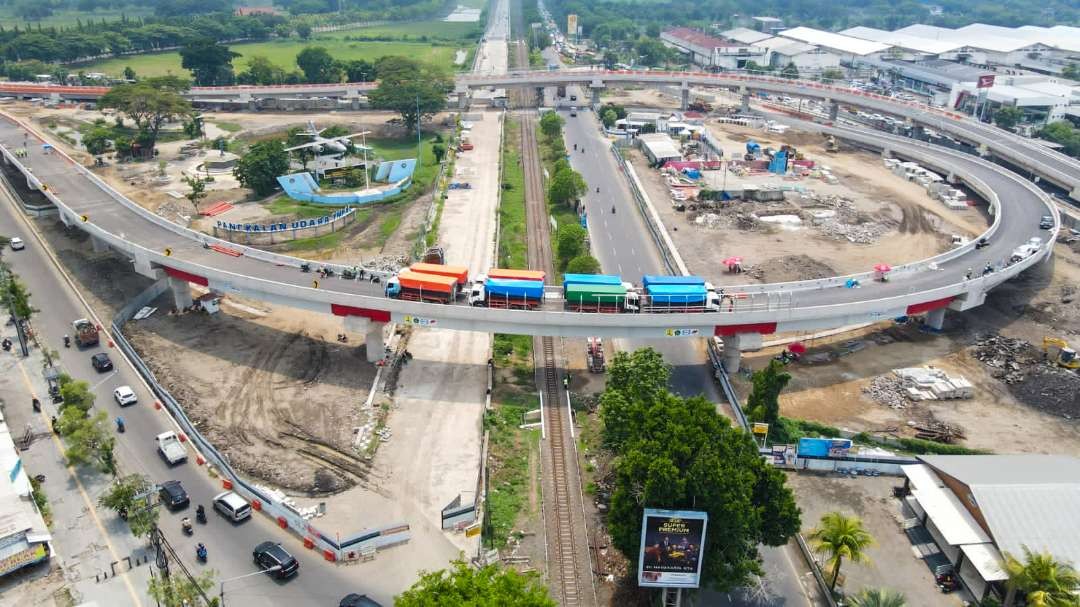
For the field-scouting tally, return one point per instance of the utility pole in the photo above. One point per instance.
(419, 154)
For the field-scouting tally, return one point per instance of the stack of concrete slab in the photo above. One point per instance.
(928, 383)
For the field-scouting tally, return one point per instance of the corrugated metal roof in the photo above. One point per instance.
(785, 47)
(832, 41)
(1041, 517)
(987, 561)
(943, 507)
(697, 38)
(1017, 469)
(971, 38)
(905, 41)
(745, 35)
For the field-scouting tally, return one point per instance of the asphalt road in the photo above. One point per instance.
(623, 245)
(229, 545)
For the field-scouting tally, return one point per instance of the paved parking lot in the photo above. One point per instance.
(893, 563)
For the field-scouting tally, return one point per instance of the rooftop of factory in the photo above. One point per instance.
(833, 41)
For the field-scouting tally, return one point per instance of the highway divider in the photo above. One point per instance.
(663, 243)
(350, 548)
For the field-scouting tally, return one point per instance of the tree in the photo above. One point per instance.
(88, 439)
(32, 11)
(317, 64)
(583, 264)
(198, 190)
(210, 62)
(303, 30)
(763, 403)
(260, 70)
(608, 118)
(150, 103)
(463, 584)
(358, 70)
(439, 151)
(551, 125)
(790, 71)
(124, 496)
(178, 590)
(570, 242)
(414, 90)
(1071, 71)
(129, 74)
(878, 597)
(1008, 116)
(261, 166)
(678, 453)
(754, 68)
(832, 73)
(566, 186)
(1042, 580)
(17, 298)
(76, 393)
(839, 537)
(98, 140)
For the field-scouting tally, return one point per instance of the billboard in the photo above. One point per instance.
(985, 82)
(571, 25)
(824, 447)
(672, 543)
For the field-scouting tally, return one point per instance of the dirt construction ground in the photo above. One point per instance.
(899, 222)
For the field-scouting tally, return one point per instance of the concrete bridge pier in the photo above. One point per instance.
(373, 338)
(734, 345)
(99, 245)
(935, 319)
(1075, 193)
(745, 109)
(595, 90)
(834, 110)
(181, 292)
(684, 103)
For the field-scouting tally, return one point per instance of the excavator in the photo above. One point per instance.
(1058, 351)
(831, 145)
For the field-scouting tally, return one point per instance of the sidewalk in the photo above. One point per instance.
(85, 545)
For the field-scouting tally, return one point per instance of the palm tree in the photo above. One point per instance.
(1044, 581)
(878, 597)
(840, 537)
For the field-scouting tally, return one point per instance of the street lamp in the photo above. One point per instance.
(221, 592)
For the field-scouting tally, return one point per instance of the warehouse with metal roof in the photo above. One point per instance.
(979, 507)
(911, 47)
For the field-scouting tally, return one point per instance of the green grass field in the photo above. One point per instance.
(435, 30)
(64, 18)
(513, 251)
(282, 53)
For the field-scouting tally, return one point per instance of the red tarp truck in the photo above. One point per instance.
(461, 273)
(516, 274)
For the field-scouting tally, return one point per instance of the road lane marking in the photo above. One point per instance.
(82, 490)
(107, 378)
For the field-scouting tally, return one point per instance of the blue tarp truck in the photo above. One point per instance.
(507, 293)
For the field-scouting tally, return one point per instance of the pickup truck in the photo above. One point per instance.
(170, 448)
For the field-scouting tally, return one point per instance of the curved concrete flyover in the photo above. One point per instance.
(1051, 165)
(161, 248)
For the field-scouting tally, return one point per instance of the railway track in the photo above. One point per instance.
(569, 575)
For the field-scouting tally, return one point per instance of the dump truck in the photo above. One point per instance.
(170, 448)
(86, 333)
(420, 286)
(461, 273)
(679, 298)
(515, 274)
(507, 293)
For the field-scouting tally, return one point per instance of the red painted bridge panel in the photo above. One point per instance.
(927, 306)
(182, 275)
(375, 315)
(755, 327)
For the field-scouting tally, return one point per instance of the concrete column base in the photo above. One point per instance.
(746, 103)
(181, 292)
(684, 103)
(99, 245)
(373, 338)
(935, 319)
(463, 101)
(596, 95)
(1075, 193)
(834, 110)
(732, 353)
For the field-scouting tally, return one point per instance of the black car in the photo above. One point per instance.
(173, 495)
(270, 554)
(1046, 222)
(101, 362)
(357, 600)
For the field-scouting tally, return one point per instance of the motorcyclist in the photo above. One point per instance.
(612, 209)
(988, 269)
(200, 514)
(185, 524)
(67, 341)
(119, 424)
(598, 189)
(200, 552)
(575, 146)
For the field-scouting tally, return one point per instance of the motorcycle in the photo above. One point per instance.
(67, 341)
(612, 209)
(200, 515)
(37, 405)
(120, 425)
(185, 525)
(200, 553)
(122, 513)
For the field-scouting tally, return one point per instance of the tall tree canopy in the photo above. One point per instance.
(261, 166)
(210, 62)
(413, 89)
(463, 584)
(149, 103)
(679, 453)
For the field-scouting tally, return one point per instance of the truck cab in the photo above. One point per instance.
(633, 298)
(477, 293)
(393, 287)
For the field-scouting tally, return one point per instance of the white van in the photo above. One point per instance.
(234, 507)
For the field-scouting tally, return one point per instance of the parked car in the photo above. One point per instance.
(234, 507)
(173, 495)
(1046, 223)
(357, 600)
(101, 362)
(17, 244)
(124, 396)
(270, 554)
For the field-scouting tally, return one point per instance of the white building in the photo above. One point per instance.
(847, 48)
(24, 538)
(806, 57)
(1042, 99)
(742, 35)
(976, 508)
(904, 46)
(711, 52)
(983, 47)
(659, 148)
